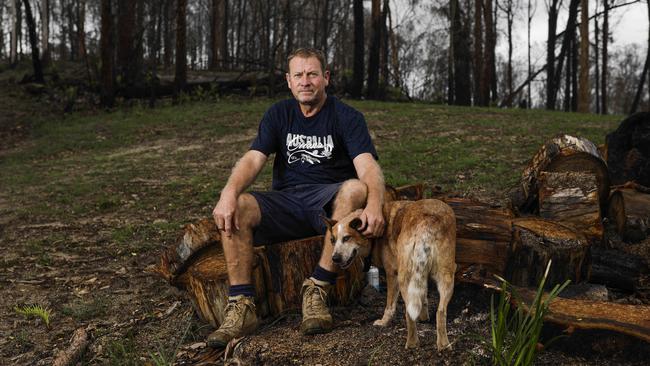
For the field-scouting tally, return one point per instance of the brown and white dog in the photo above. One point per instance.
(419, 243)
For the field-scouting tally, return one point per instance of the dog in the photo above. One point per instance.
(419, 243)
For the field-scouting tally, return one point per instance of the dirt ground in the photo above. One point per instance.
(79, 271)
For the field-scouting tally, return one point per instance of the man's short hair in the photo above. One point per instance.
(306, 53)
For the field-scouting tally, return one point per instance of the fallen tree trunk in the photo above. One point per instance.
(633, 320)
(562, 153)
(535, 242)
(572, 199)
(629, 210)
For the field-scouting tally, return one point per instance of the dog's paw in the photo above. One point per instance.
(380, 323)
(411, 344)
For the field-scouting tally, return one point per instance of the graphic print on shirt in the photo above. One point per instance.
(310, 149)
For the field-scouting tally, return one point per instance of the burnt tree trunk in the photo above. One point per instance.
(357, 74)
(107, 48)
(572, 199)
(33, 41)
(535, 242)
(628, 151)
(562, 153)
(629, 210)
(615, 268)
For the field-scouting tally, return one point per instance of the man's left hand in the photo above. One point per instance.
(372, 221)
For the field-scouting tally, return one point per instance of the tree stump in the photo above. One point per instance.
(572, 198)
(615, 268)
(562, 153)
(629, 210)
(628, 150)
(535, 241)
(483, 236)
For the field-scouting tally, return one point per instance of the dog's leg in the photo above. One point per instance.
(392, 290)
(424, 313)
(445, 283)
(410, 302)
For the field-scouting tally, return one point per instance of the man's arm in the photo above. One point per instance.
(242, 176)
(370, 173)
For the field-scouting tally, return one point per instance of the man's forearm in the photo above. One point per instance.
(374, 180)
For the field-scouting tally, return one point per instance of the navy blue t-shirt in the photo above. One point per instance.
(313, 150)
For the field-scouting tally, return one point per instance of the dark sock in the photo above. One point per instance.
(324, 275)
(246, 290)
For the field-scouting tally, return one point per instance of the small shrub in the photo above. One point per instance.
(515, 333)
(34, 311)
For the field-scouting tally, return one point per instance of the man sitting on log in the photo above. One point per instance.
(325, 164)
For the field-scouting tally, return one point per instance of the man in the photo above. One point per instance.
(325, 164)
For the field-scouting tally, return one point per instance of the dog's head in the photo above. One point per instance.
(347, 240)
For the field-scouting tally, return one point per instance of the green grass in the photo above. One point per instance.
(175, 159)
(83, 310)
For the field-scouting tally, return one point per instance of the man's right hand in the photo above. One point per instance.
(225, 214)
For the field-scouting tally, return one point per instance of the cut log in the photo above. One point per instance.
(616, 268)
(483, 236)
(535, 241)
(628, 150)
(633, 320)
(572, 199)
(629, 210)
(563, 153)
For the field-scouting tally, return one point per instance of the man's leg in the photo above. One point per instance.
(316, 317)
(239, 317)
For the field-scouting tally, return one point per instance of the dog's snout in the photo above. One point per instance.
(336, 258)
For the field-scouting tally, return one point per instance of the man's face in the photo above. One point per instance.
(306, 80)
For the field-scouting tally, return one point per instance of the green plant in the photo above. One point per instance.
(123, 352)
(515, 333)
(34, 311)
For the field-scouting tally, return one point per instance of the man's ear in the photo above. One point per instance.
(355, 223)
(329, 222)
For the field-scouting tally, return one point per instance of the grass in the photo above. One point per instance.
(515, 334)
(86, 310)
(35, 311)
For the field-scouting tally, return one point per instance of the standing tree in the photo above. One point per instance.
(45, 31)
(478, 51)
(357, 73)
(509, 8)
(488, 74)
(461, 56)
(180, 76)
(13, 47)
(584, 90)
(33, 41)
(374, 49)
(531, 13)
(646, 68)
(551, 81)
(603, 75)
(107, 50)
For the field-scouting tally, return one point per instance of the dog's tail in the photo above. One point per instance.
(419, 265)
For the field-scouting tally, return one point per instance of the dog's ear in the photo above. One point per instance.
(355, 223)
(329, 222)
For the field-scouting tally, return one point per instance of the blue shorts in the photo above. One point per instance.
(293, 213)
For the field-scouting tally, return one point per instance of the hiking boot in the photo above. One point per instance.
(239, 320)
(316, 316)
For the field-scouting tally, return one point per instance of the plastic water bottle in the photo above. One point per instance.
(373, 277)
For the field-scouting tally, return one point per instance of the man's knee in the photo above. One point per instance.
(248, 211)
(353, 192)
